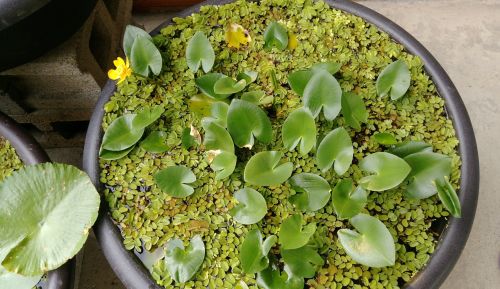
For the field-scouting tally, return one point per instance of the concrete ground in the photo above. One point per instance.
(464, 35)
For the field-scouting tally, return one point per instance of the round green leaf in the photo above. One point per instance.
(252, 206)
(293, 235)
(394, 80)
(200, 105)
(245, 121)
(313, 192)
(216, 137)
(336, 147)
(253, 252)
(121, 134)
(299, 79)
(299, 127)
(385, 138)
(256, 97)
(155, 142)
(227, 85)
(114, 155)
(276, 35)
(426, 167)
(248, 76)
(10, 280)
(331, 67)
(145, 56)
(348, 201)
(224, 164)
(302, 262)
(410, 147)
(207, 82)
(173, 180)
(48, 206)
(182, 264)
(372, 245)
(131, 33)
(323, 92)
(199, 52)
(271, 278)
(147, 116)
(448, 197)
(388, 171)
(263, 169)
(218, 111)
(354, 110)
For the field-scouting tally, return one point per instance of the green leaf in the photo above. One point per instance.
(10, 280)
(149, 259)
(147, 116)
(200, 105)
(257, 97)
(385, 138)
(354, 110)
(271, 278)
(372, 245)
(218, 111)
(216, 137)
(276, 35)
(183, 263)
(190, 137)
(348, 201)
(121, 134)
(248, 76)
(199, 52)
(293, 235)
(114, 155)
(173, 181)
(336, 147)
(298, 80)
(299, 127)
(388, 171)
(132, 33)
(331, 67)
(227, 85)
(145, 56)
(323, 92)
(224, 164)
(155, 142)
(46, 213)
(394, 80)
(426, 168)
(410, 147)
(206, 84)
(313, 192)
(263, 169)
(302, 262)
(253, 252)
(448, 197)
(245, 121)
(252, 206)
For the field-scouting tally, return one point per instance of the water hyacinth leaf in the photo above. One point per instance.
(254, 251)
(223, 163)
(237, 36)
(207, 82)
(276, 35)
(173, 181)
(354, 110)
(155, 142)
(248, 76)
(9, 280)
(130, 35)
(348, 201)
(299, 79)
(426, 167)
(448, 197)
(303, 262)
(271, 278)
(216, 137)
(200, 105)
(252, 206)
(371, 245)
(147, 116)
(293, 235)
(335, 149)
(323, 92)
(388, 171)
(313, 192)
(121, 134)
(199, 52)
(263, 169)
(330, 66)
(183, 263)
(227, 85)
(114, 155)
(145, 57)
(385, 138)
(394, 80)
(410, 147)
(299, 127)
(245, 121)
(53, 210)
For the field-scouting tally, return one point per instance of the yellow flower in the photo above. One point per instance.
(292, 41)
(122, 70)
(236, 35)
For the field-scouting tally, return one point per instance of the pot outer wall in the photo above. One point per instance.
(31, 153)
(454, 236)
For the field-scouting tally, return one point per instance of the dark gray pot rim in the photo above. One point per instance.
(452, 241)
(30, 152)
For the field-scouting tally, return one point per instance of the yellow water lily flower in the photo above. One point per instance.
(236, 36)
(122, 70)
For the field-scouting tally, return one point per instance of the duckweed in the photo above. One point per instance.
(148, 218)
(9, 160)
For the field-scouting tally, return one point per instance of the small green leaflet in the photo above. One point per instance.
(155, 142)
(263, 169)
(114, 155)
(385, 138)
(299, 127)
(313, 192)
(293, 235)
(348, 201)
(253, 252)
(448, 197)
(302, 262)
(323, 92)
(248, 76)
(183, 263)
(223, 163)
(206, 84)
(354, 110)
(410, 147)
(173, 181)
(388, 171)
(394, 80)
(199, 52)
(252, 206)
(371, 245)
(336, 147)
(257, 97)
(276, 35)
(271, 278)
(227, 85)
(245, 121)
(145, 57)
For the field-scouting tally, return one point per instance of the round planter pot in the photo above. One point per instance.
(455, 232)
(30, 152)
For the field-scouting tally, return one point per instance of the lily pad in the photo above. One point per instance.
(276, 35)
(253, 252)
(199, 52)
(218, 112)
(448, 197)
(303, 262)
(227, 85)
(200, 105)
(173, 181)
(252, 206)
(371, 245)
(348, 201)
(216, 137)
(155, 142)
(257, 97)
(248, 76)
(263, 169)
(272, 278)
(410, 147)
(293, 235)
(298, 80)
(299, 127)
(190, 137)
(313, 192)
(385, 138)
(145, 57)
(114, 155)
(9, 280)
(330, 66)
(121, 134)
(388, 171)
(394, 80)
(354, 110)
(336, 147)
(183, 263)
(223, 163)
(206, 84)
(147, 116)
(130, 35)
(323, 92)
(245, 121)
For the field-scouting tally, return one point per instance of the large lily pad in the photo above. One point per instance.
(263, 169)
(245, 121)
(9, 280)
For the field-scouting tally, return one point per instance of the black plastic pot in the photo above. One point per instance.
(454, 236)
(30, 152)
